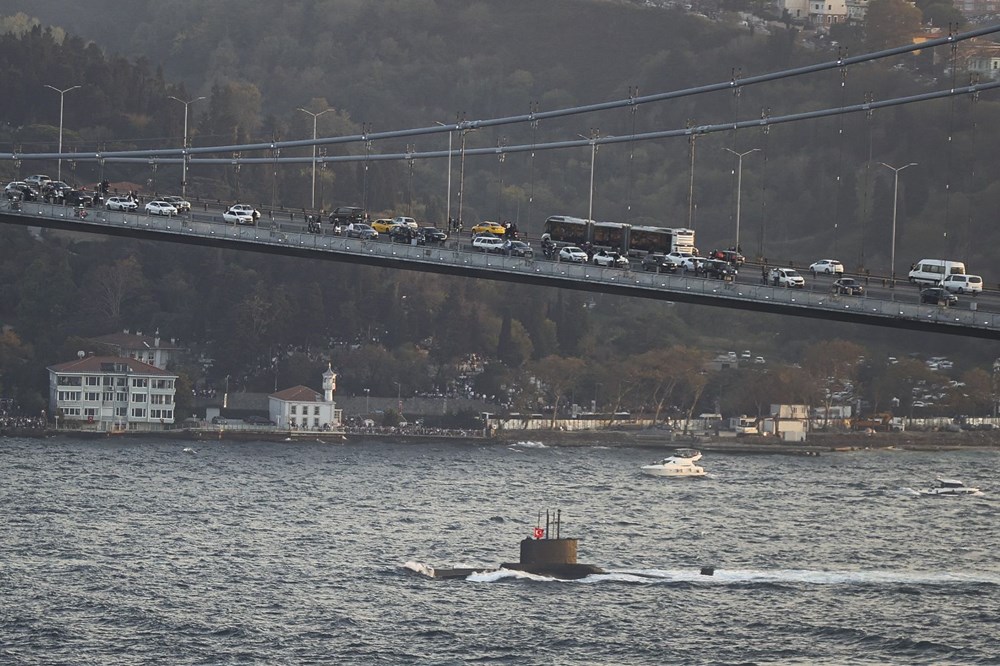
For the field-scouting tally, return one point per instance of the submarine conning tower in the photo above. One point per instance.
(550, 555)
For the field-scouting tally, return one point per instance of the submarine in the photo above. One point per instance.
(545, 553)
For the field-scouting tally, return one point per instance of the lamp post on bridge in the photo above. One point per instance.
(62, 95)
(315, 117)
(895, 204)
(466, 128)
(594, 135)
(448, 205)
(739, 189)
(184, 156)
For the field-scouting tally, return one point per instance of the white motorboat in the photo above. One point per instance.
(682, 463)
(950, 488)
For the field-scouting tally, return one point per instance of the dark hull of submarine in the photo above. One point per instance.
(555, 558)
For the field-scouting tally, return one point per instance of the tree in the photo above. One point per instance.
(890, 23)
(559, 374)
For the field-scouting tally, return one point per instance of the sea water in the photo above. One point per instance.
(127, 551)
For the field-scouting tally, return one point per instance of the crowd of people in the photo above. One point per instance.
(12, 418)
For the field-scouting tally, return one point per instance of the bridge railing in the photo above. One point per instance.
(461, 254)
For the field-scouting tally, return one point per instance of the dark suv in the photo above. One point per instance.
(344, 215)
(77, 198)
(658, 263)
(719, 269)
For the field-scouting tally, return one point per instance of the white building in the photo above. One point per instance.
(149, 349)
(827, 12)
(302, 408)
(112, 393)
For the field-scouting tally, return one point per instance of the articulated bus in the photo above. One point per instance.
(625, 238)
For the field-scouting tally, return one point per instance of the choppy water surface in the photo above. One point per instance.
(135, 552)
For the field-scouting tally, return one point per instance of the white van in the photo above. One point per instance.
(963, 284)
(933, 271)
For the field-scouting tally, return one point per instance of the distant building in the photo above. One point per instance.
(789, 423)
(302, 408)
(149, 349)
(112, 393)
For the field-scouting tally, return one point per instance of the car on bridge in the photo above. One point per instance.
(938, 296)
(237, 216)
(787, 277)
(37, 181)
(121, 203)
(344, 215)
(179, 203)
(361, 230)
(572, 254)
(488, 243)
(685, 260)
(516, 248)
(432, 235)
(718, 269)
(159, 207)
(490, 228)
(406, 221)
(963, 284)
(658, 262)
(77, 198)
(246, 208)
(847, 285)
(610, 259)
(826, 266)
(21, 190)
(383, 225)
(729, 256)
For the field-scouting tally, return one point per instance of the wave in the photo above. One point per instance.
(527, 444)
(777, 578)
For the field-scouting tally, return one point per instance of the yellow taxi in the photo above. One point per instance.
(489, 228)
(383, 225)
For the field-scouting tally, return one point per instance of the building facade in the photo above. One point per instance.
(112, 394)
(151, 349)
(302, 408)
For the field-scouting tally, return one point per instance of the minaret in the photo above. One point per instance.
(329, 383)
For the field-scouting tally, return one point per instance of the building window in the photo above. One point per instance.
(316, 410)
(92, 396)
(138, 397)
(90, 411)
(140, 382)
(121, 411)
(121, 397)
(93, 381)
(69, 381)
(108, 396)
(293, 410)
(316, 422)
(139, 412)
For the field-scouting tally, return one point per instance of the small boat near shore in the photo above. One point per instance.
(950, 488)
(681, 463)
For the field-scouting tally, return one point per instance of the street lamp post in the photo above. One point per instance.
(62, 94)
(739, 190)
(448, 205)
(461, 174)
(184, 156)
(315, 117)
(593, 155)
(367, 411)
(895, 203)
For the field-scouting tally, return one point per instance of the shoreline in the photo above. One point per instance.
(816, 444)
